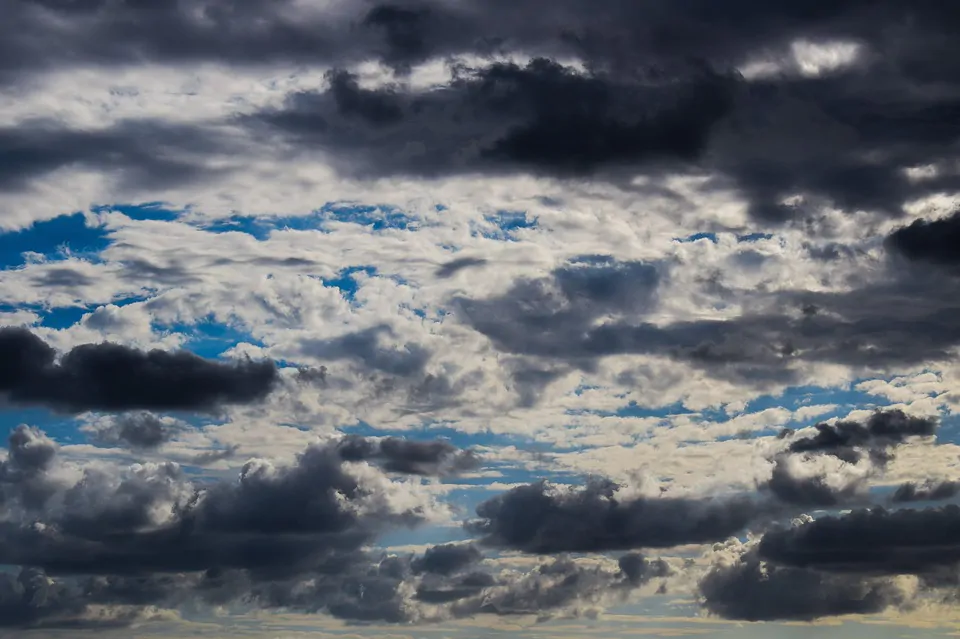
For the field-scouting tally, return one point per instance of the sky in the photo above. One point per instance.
(479, 318)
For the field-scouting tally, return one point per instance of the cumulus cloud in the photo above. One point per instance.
(112, 377)
(544, 518)
(578, 229)
(847, 439)
(750, 590)
(140, 431)
(408, 456)
(926, 491)
(873, 541)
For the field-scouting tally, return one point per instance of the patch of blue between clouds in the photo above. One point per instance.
(62, 317)
(376, 218)
(144, 211)
(712, 237)
(75, 234)
(346, 281)
(209, 338)
(504, 225)
(55, 237)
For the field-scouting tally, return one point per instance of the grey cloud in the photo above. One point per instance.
(751, 591)
(23, 475)
(111, 377)
(542, 519)
(847, 439)
(641, 105)
(906, 320)
(138, 154)
(931, 241)
(406, 456)
(876, 439)
(213, 456)
(560, 587)
(140, 431)
(541, 117)
(638, 570)
(448, 269)
(870, 542)
(365, 347)
(927, 491)
(447, 559)
(808, 491)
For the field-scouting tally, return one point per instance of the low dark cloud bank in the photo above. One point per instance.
(105, 549)
(750, 591)
(111, 377)
(541, 518)
(151, 535)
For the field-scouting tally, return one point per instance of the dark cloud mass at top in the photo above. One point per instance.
(111, 377)
(659, 89)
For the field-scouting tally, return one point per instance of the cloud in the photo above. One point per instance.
(140, 431)
(933, 241)
(561, 587)
(881, 431)
(405, 456)
(750, 590)
(927, 491)
(873, 541)
(543, 518)
(111, 377)
(148, 534)
(447, 559)
(849, 442)
(790, 485)
(540, 117)
(896, 322)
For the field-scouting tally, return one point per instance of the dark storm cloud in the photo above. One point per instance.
(149, 535)
(447, 559)
(750, 591)
(640, 105)
(847, 440)
(870, 542)
(927, 491)
(539, 518)
(407, 456)
(934, 241)
(140, 431)
(837, 139)
(542, 117)
(111, 377)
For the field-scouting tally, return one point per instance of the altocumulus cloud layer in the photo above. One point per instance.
(416, 312)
